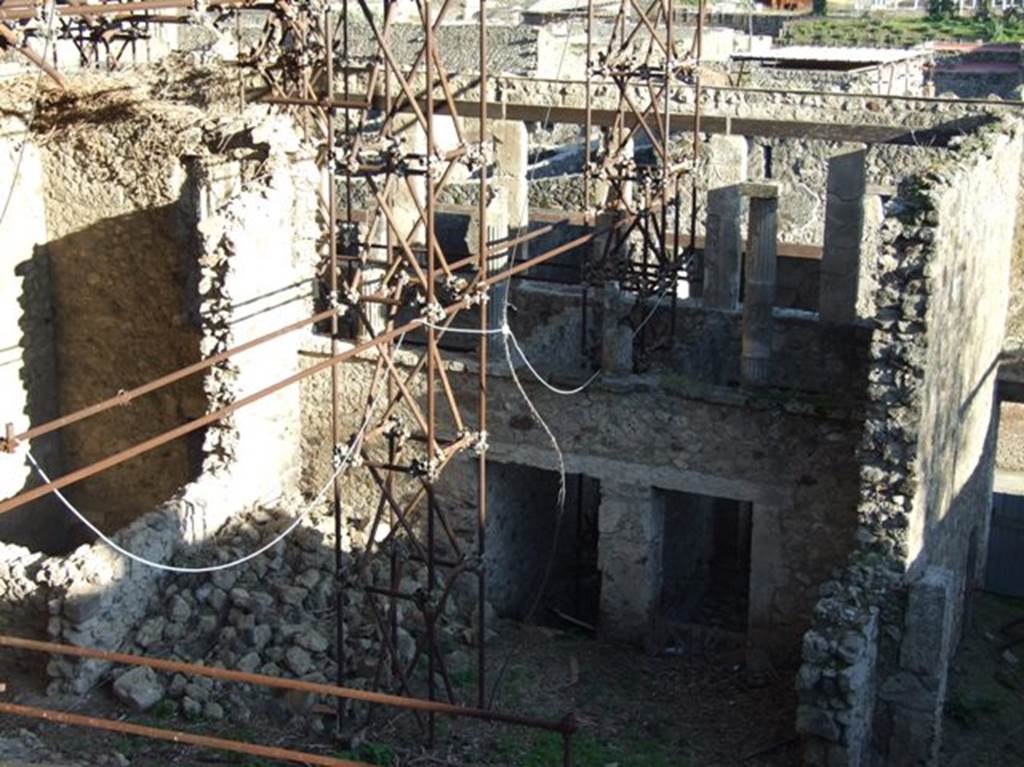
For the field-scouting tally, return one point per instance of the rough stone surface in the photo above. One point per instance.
(139, 688)
(927, 458)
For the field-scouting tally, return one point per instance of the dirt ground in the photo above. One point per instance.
(634, 710)
(984, 722)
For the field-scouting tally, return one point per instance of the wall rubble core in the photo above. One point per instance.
(876, 660)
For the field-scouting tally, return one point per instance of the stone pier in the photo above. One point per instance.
(842, 255)
(759, 283)
(723, 249)
(629, 559)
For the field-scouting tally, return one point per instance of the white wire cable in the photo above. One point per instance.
(540, 379)
(506, 334)
(32, 113)
(540, 420)
(463, 331)
(597, 374)
(292, 526)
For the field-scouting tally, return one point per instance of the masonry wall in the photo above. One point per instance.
(974, 245)
(119, 266)
(635, 433)
(902, 79)
(875, 664)
(702, 349)
(252, 212)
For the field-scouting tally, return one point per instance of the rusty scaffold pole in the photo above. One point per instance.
(483, 250)
(643, 63)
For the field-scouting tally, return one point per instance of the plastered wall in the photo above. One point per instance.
(27, 361)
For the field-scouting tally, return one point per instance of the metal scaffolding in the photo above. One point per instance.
(386, 278)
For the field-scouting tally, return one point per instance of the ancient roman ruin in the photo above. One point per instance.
(345, 344)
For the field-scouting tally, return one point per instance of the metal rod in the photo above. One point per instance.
(21, 45)
(431, 362)
(332, 252)
(177, 736)
(418, 704)
(125, 398)
(483, 252)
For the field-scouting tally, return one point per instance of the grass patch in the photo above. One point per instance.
(546, 749)
(900, 32)
(372, 753)
(465, 680)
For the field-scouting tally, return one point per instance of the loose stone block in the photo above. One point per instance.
(140, 688)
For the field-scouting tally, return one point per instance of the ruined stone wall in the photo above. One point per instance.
(971, 269)
(23, 602)
(511, 49)
(639, 432)
(978, 85)
(801, 169)
(904, 79)
(927, 460)
(27, 358)
(113, 175)
(252, 211)
(704, 347)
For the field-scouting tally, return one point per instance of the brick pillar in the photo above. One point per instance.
(759, 283)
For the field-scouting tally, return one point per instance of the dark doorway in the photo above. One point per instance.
(705, 560)
(537, 566)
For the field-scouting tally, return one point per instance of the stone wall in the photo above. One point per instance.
(927, 459)
(901, 79)
(634, 433)
(971, 269)
(807, 356)
(252, 210)
(801, 169)
(511, 49)
(119, 276)
(23, 602)
(978, 85)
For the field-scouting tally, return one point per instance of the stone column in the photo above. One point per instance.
(616, 332)
(875, 199)
(726, 160)
(629, 557)
(759, 283)
(842, 256)
(511, 146)
(723, 249)
(508, 211)
(767, 576)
